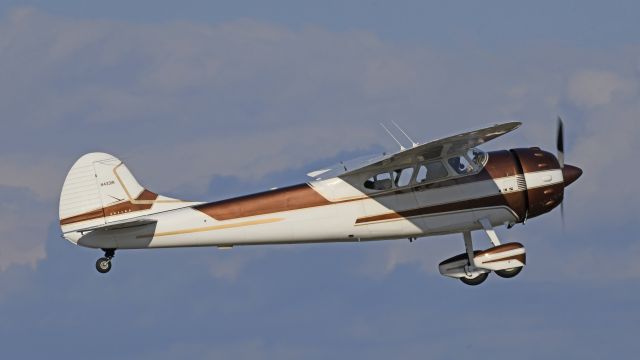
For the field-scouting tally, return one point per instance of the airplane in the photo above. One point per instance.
(446, 186)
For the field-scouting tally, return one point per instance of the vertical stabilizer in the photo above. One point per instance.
(100, 189)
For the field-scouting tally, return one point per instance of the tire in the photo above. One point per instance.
(509, 273)
(476, 280)
(103, 265)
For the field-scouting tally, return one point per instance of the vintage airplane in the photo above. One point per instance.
(441, 187)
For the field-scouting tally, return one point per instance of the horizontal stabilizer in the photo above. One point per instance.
(123, 224)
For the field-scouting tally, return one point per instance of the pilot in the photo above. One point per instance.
(369, 184)
(478, 157)
(459, 166)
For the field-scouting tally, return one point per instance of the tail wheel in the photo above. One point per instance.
(103, 265)
(476, 280)
(509, 273)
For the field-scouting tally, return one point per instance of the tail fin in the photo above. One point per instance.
(100, 189)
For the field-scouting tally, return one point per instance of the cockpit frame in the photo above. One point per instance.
(468, 163)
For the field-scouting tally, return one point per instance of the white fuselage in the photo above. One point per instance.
(349, 214)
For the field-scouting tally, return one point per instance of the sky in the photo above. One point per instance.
(209, 99)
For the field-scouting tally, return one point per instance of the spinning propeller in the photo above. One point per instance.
(570, 173)
(560, 148)
(560, 142)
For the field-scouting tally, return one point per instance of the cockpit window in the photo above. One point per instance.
(431, 171)
(478, 157)
(460, 165)
(469, 163)
(381, 181)
(403, 176)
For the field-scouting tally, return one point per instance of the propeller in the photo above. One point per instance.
(560, 142)
(560, 148)
(570, 173)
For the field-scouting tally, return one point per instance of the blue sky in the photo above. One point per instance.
(205, 100)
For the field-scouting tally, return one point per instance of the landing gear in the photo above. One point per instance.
(472, 276)
(103, 265)
(473, 266)
(477, 280)
(509, 273)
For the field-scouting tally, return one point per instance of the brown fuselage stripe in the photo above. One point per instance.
(95, 214)
(541, 200)
(117, 209)
(289, 198)
(486, 202)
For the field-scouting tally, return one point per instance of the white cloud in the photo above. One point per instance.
(251, 349)
(23, 227)
(42, 174)
(423, 254)
(591, 88)
(228, 264)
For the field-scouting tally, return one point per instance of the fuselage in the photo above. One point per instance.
(509, 187)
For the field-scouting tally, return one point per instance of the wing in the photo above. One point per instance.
(455, 144)
(348, 166)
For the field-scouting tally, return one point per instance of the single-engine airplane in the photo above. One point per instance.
(441, 187)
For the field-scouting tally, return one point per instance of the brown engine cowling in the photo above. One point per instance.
(542, 199)
(501, 164)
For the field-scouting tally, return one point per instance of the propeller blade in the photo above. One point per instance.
(560, 142)
(562, 214)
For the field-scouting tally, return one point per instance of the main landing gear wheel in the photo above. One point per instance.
(103, 265)
(476, 280)
(509, 273)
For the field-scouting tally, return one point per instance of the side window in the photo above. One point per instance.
(460, 165)
(422, 174)
(381, 181)
(436, 170)
(431, 171)
(403, 176)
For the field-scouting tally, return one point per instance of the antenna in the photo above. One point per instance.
(405, 134)
(402, 148)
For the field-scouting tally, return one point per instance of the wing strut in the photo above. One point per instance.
(413, 143)
(402, 148)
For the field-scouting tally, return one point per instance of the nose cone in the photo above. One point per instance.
(570, 174)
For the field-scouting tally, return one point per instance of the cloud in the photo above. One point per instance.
(251, 349)
(24, 222)
(424, 254)
(591, 88)
(41, 174)
(228, 265)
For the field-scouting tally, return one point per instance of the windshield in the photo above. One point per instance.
(471, 162)
(478, 157)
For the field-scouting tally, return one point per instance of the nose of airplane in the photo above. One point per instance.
(570, 174)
